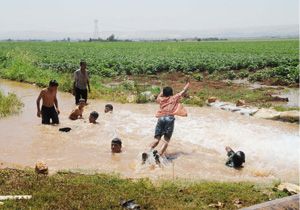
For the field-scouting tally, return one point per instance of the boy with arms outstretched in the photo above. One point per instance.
(169, 107)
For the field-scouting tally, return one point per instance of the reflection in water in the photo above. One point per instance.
(197, 146)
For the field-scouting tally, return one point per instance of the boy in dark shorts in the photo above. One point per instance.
(49, 109)
(169, 107)
(235, 159)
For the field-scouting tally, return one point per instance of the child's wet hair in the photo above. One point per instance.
(95, 115)
(116, 141)
(109, 106)
(167, 91)
(53, 83)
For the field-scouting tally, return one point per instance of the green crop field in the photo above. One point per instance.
(272, 62)
(131, 58)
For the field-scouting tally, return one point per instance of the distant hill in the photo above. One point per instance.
(286, 31)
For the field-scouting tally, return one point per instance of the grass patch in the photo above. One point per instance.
(103, 191)
(9, 104)
(283, 108)
(230, 94)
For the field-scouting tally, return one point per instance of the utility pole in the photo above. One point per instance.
(96, 29)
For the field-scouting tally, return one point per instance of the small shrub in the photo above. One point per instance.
(198, 76)
(230, 75)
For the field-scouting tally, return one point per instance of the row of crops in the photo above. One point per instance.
(130, 58)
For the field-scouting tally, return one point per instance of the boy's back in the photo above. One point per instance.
(170, 106)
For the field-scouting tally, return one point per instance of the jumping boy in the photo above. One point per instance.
(50, 105)
(77, 113)
(169, 107)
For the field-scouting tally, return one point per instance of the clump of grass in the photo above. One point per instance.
(104, 191)
(283, 108)
(9, 104)
(229, 94)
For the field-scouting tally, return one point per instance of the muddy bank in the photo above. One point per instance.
(271, 147)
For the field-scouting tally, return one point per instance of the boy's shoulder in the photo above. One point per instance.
(44, 90)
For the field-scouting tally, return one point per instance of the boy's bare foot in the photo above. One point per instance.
(144, 157)
(228, 149)
(156, 156)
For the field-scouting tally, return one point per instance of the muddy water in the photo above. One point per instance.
(272, 148)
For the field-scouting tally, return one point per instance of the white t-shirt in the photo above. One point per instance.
(81, 79)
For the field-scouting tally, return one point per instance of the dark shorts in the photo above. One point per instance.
(79, 93)
(49, 113)
(164, 127)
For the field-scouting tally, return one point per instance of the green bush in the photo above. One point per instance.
(243, 74)
(198, 76)
(230, 75)
(9, 104)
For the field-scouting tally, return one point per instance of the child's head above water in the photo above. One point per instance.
(116, 145)
(167, 91)
(108, 108)
(93, 117)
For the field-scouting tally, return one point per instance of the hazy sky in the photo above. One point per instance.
(122, 15)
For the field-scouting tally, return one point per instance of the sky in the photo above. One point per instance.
(72, 16)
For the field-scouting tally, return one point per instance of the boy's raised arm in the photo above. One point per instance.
(186, 87)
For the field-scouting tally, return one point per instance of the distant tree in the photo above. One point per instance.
(111, 38)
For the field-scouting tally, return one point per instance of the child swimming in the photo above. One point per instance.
(77, 113)
(108, 108)
(93, 117)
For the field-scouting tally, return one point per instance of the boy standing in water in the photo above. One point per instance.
(50, 105)
(169, 107)
(81, 82)
(77, 113)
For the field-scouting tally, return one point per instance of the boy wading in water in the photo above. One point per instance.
(81, 82)
(50, 106)
(169, 107)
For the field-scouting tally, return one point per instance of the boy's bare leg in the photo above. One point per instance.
(164, 147)
(155, 143)
(228, 149)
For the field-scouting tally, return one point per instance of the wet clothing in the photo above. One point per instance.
(234, 160)
(81, 81)
(49, 113)
(170, 106)
(80, 94)
(164, 127)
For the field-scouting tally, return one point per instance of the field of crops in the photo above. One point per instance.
(280, 58)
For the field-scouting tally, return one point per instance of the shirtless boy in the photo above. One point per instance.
(50, 105)
(77, 113)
